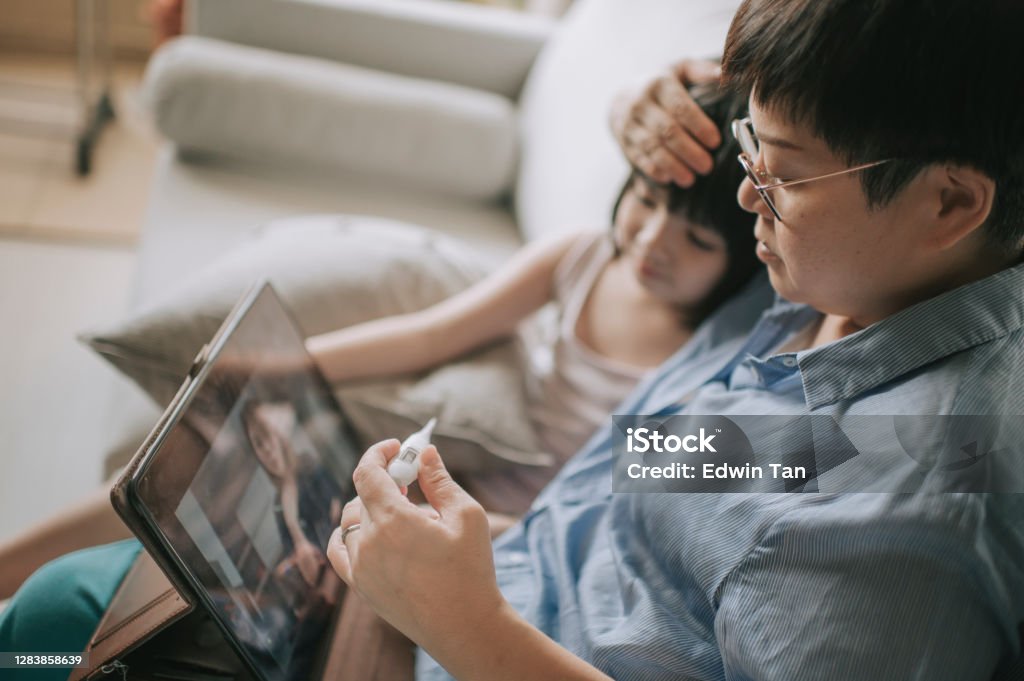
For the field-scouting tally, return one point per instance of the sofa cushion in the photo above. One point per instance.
(270, 107)
(570, 166)
(334, 271)
(481, 47)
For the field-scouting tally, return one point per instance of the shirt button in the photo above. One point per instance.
(789, 361)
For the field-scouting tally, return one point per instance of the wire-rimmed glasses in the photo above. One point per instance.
(763, 182)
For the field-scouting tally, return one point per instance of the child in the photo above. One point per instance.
(625, 301)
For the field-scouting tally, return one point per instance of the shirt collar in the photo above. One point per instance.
(924, 333)
(777, 325)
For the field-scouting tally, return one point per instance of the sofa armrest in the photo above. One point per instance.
(259, 105)
(478, 47)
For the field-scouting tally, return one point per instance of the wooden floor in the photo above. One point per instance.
(41, 198)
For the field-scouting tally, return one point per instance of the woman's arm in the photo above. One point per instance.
(289, 492)
(305, 555)
(430, 573)
(485, 312)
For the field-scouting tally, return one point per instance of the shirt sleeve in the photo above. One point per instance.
(862, 601)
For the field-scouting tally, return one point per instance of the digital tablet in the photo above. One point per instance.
(241, 485)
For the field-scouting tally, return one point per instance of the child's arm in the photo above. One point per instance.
(411, 342)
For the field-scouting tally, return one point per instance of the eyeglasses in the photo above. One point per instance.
(743, 131)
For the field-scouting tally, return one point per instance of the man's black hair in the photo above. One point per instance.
(711, 200)
(921, 81)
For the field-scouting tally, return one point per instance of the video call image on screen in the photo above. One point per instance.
(261, 508)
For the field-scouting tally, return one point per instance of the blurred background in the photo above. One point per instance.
(67, 236)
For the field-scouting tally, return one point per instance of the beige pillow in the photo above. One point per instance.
(479, 403)
(334, 271)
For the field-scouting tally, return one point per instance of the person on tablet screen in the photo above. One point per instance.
(302, 488)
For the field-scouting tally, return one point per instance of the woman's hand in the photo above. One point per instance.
(662, 131)
(307, 559)
(310, 561)
(427, 571)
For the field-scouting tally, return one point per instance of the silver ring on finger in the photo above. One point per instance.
(345, 532)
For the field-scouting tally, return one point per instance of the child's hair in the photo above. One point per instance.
(918, 81)
(711, 200)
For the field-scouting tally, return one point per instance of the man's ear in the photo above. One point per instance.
(965, 198)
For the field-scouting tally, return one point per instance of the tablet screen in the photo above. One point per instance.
(248, 484)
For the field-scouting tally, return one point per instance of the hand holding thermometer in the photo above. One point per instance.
(405, 467)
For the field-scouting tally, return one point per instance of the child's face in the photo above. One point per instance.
(677, 261)
(831, 250)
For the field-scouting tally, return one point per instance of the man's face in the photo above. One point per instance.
(830, 250)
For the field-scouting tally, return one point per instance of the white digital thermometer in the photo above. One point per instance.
(405, 468)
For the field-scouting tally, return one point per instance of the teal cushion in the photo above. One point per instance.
(58, 608)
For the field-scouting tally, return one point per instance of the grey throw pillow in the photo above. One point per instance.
(332, 272)
(479, 402)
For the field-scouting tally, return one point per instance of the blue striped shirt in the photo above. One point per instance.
(793, 586)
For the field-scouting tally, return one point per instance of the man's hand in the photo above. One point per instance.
(427, 571)
(662, 131)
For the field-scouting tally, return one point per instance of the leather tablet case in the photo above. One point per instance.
(152, 630)
(150, 633)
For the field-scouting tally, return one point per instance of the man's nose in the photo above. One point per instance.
(750, 200)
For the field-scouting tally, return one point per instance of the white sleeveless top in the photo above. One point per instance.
(572, 390)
